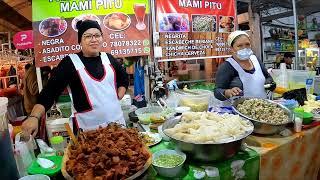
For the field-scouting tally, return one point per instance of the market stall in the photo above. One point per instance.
(281, 157)
(285, 156)
(12, 74)
(290, 27)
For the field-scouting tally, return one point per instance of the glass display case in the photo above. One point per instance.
(308, 59)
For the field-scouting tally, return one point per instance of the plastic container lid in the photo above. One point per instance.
(200, 94)
(56, 140)
(182, 109)
(56, 122)
(35, 168)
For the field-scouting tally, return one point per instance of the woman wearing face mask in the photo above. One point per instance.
(242, 74)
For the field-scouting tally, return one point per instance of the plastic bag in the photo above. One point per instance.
(24, 153)
(299, 95)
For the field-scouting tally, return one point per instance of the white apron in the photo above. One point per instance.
(101, 94)
(253, 84)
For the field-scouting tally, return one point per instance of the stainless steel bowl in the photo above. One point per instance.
(206, 152)
(263, 127)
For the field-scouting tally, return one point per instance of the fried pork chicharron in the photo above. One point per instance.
(107, 153)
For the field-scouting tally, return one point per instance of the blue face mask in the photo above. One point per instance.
(244, 54)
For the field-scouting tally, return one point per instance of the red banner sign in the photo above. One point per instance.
(23, 40)
(195, 28)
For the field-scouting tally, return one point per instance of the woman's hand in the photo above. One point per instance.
(121, 92)
(30, 126)
(232, 92)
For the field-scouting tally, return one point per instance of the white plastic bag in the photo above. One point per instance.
(24, 153)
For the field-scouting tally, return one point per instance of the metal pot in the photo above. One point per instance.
(263, 127)
(206, 152)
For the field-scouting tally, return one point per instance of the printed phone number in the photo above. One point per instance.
(126, 51)
(125, 43)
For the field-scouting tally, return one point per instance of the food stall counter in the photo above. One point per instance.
(245, 164)
(292, 157)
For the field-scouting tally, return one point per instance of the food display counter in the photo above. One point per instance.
(244, 165)
(284, 154)
(292, 157)
(263, 157)
(208, 145)
(266, 157)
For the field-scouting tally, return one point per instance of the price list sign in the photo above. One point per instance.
(195, 28)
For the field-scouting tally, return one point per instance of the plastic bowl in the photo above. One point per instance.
(168, 172)
(197, 103)
(35, 177)
(307, 118)
(144, 114)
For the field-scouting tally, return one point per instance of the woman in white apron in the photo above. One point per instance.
(242, 74)
(95, 80)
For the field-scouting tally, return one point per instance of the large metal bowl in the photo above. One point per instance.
(263, 127)
(206, 152)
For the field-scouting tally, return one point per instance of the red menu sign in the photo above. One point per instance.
(195, 28)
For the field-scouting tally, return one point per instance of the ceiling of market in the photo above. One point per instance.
(304, 7)
(22, 6)
(15, 15)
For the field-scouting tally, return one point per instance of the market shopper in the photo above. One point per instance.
(287, 59)
(242, 74)
(95, 80)
(12, 72)
(30, 86)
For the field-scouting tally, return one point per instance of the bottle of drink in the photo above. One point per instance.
(283, 76)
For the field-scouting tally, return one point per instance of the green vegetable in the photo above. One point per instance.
(168, 160)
